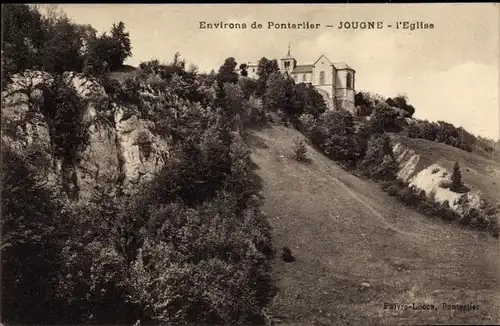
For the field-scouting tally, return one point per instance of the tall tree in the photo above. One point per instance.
(265, 69)
(62, 50)
(227, 72)
(122, 46)
(280, 94)
(98, 55)
(23, 36)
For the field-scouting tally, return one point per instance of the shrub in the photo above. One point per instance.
(341, 148)
(393, 190)
(145, 144)
(379, 162)
(408, 196)
(203, 265)
(287, 255)
(254, 114)
(383, 119)
(309, 128)
(248, 86)
(456, 177)
(299, 149)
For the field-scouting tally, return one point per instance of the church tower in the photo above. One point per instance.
(288, 64)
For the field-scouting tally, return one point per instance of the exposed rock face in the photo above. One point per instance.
(407, 160)
(24, 129)
(113, 153)
(433, 178)
(139, 164)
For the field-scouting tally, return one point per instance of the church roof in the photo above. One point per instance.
(300, 69)
(322, 56)
(341, 65)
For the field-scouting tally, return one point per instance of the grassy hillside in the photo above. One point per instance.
(344, 231)
(479, 172)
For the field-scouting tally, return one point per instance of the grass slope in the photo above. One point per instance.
(344, 231)
(479, 172)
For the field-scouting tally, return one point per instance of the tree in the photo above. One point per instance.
(309, 100)
(401, 102)
(379, 162)
(243, 69)
(122, 48)
(280, 95)
(447, 133)
(98, 55)
(456, 177)
(227, 72)
(339, 122)
(265, 69)
(364, 102)
(62, 49)
(233, 101)
(383, 118)
(32, 226)
(248, 86)
(23, 36)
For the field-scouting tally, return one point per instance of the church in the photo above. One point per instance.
(334, 81)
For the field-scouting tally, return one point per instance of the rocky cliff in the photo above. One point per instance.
(433, 176)
(121, 149)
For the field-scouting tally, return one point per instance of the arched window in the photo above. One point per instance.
(322, 78)
(304, 77)
(349, 80)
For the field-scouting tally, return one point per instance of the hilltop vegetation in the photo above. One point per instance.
(191, 244)
(55, 44)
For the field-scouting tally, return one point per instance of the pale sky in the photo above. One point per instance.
(449, 73)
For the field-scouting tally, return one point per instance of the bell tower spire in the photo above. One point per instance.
(288, 63)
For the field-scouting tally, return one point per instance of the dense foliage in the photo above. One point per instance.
(443, 132)
(55, 44)
(190, 246)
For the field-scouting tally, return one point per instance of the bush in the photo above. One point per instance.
(456, 178)
(287, 255)
(145, 144)
(342, 148)
(379, 162)
(308, 126)
(299, 149)
(401, 102)
(393, 190)
(207, 264)
(254, 114)
(384, 119)
(442, 132)
(483, 217)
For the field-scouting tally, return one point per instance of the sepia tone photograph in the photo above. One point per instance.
(250, 164)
